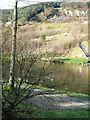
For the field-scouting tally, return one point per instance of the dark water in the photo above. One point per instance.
(69, 77)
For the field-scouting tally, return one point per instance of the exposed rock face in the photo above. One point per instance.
(67, 14)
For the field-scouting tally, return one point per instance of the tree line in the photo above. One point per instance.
(29, 12)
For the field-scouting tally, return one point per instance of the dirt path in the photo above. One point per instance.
(59, 102)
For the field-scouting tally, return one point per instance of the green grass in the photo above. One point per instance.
(37, 112)
(61, 114)
(76, 60)
(82, 96)
(70, 60)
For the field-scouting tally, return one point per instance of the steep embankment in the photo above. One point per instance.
(77, 52)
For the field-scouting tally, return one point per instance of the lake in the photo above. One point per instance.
(68, 77)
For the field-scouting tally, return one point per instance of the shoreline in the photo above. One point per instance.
(70, 60)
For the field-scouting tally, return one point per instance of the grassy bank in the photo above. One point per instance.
(47, 90)
(73, 94)
(71, 60)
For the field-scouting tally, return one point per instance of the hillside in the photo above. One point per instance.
(29, 12)
(44, 11)
(50, 27)
(61, 38)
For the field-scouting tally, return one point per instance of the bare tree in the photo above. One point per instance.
(30, 71)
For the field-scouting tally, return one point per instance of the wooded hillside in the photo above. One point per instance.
(35, 11)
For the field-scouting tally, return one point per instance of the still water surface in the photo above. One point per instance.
(69, 77)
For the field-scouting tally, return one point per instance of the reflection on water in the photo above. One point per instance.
(69, 77)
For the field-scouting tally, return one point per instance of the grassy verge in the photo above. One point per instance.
(72, 94)
(75, 60)
(61, 114)
(54, 91)
(37, 112)
(72, 60)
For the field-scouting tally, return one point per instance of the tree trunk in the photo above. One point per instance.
(13, 49)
